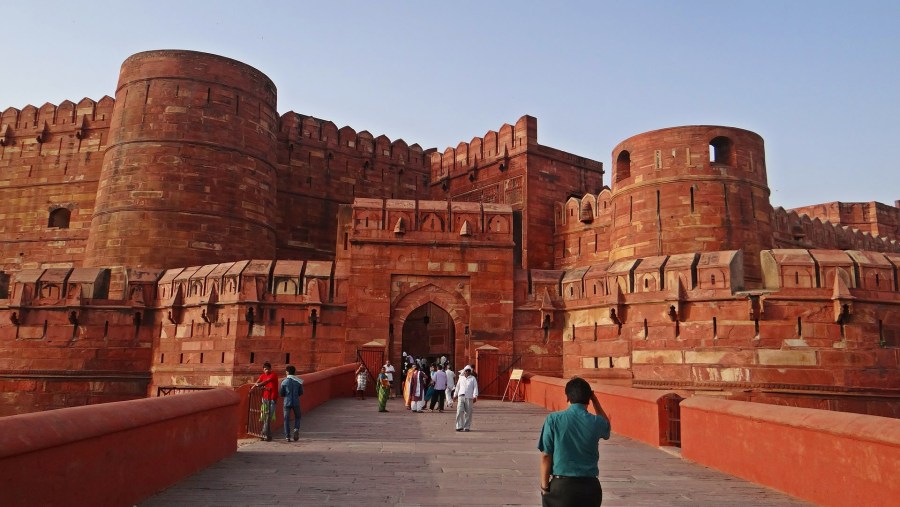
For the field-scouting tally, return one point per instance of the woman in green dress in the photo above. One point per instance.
(383, 386)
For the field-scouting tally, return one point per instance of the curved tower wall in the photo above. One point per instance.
(691, 189)
(189, 175)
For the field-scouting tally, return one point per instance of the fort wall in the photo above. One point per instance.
(49, 169)
(510, 167)
(322, 167)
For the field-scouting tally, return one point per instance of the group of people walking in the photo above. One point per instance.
(432, 386)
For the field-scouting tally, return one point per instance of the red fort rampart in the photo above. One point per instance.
(185, 232)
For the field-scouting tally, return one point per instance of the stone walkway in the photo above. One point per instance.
(349, 454)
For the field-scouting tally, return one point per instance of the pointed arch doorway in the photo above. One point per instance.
(429, 332)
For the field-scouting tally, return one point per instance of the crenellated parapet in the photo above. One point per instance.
(795, 230)
(51, 124)
(495, 148)
(878, 219)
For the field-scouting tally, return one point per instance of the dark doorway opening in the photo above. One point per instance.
(429, 333)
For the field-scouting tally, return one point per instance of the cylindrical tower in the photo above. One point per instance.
(691, 189)
(189, 174)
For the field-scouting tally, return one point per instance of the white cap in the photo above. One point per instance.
(467, 368)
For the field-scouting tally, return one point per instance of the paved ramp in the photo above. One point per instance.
(349, 454)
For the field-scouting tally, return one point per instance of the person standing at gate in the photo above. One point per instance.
(439, 378)
(383, 386)
(569, 450)
(291, 390)
(465, 395)
(361, 378)
(389, 373)
(451, 383)
(268, 381)
(418, 385)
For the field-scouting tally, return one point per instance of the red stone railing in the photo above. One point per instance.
(825, 457)
(828, 458)
(114, 453)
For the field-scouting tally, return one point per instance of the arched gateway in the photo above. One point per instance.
(429, 321)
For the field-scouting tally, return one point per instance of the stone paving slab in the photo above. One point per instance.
(349, 454)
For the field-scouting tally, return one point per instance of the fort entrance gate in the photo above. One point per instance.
(428, 332)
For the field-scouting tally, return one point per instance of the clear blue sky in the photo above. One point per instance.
(819, 80)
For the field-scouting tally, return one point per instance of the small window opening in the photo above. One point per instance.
(623, 166)
(223, 358)
(181, 358)
(799, 327)
(712, 279)
(646, 283)
(287, 358)
(715, 329)
(59, 218)
(252, 357)
(797, 278)
(720, 151)
(162, 358)
(692, 200)
(646, 330)
(201, 358)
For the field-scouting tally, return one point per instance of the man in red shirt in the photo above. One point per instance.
(268, 381)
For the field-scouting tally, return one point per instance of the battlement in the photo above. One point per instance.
(298, 128)
(881, 220)
(792, 229)
(49, 120)
(494, 147)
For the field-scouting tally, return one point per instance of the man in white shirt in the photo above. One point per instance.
(451, 384)
(389, 372)
(465, 395)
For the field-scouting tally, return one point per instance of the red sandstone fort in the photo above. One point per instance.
(185, 232)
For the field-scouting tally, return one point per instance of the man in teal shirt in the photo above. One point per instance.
(569, 446)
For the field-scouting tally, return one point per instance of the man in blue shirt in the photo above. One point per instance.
(569, 446)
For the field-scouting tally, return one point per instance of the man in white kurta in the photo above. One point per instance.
(451, 384)
(465, 395)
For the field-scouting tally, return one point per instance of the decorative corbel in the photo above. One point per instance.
(42, 135)
(672, 313)
(400, 227)
(80, 127)
(466, 229)
(5, 135)
(842, 301)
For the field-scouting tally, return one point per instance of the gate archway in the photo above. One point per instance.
(452, 317)
(428, 332)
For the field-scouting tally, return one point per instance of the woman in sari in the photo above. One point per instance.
(383, 387)
(406, 382)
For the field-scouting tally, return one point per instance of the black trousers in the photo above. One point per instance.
(438, 397)
(573, 492)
